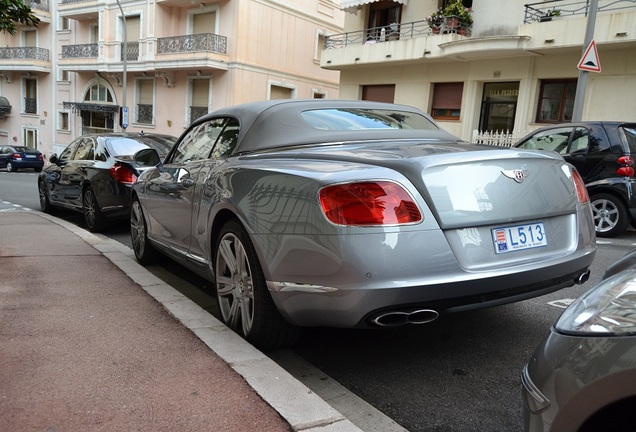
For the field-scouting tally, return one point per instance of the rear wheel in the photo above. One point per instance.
(610, 215)
(144, 251)
(10, 167)
(245, 303)
(45, 203)
(93, 216)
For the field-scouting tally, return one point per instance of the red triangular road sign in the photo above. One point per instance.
(589, 61)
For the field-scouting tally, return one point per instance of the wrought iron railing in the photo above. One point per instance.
(133, 51)
(549, 9)
(192, 43)
(196, 112)
(30, 105)
(396, 32)
(144, 113)
(80, 51)
(42, 5)
(73, 1)
(24, 53)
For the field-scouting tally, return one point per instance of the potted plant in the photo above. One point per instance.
(549, 14)
(435, 21)
(457, 16)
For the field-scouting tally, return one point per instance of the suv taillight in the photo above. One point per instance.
(369, 203)
(121, 174)
(627, 168)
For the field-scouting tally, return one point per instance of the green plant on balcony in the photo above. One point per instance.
(549, 14)
(458, 17)
(436, 20)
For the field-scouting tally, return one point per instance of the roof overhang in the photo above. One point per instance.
(352, 6)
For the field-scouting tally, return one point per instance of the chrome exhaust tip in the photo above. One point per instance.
(400, 318)
(582, 278)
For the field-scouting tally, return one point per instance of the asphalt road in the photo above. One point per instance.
(458, 373)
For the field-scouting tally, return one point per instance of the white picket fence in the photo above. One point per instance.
(497, 138)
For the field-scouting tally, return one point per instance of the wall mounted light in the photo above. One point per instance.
(621, 34)
(549, 41)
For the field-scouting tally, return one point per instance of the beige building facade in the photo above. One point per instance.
(175, 59)
(513, 69)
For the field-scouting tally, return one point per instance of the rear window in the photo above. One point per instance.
(22, 149)
(361, 119)
(121, 146)
(630, 136)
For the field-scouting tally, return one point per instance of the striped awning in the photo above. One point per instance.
(353, 5)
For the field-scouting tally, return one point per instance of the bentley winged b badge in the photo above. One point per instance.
(517, 175)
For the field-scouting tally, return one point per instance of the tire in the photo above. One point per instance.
(145, 253)
(43, 193)
(610, 215)
(95, 221)
(10, 167)
(245, 303)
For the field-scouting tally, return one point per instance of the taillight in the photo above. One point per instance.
(369, 203)
(121, 174)
(627, 168)
(40, 157)
(17, 156)
(579, 185)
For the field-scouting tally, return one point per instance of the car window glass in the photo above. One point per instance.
(100, 154)
(84, 150)
(227, 139)
(65, 156)
(552, 139)
(580, 140)
(5, 150)
(362, 118)
(198, 142)
(630, 137)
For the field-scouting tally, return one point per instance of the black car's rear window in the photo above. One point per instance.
(23, 149)
(362, 118)
(122, 146)
(630, 135)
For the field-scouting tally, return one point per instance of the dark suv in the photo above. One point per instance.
(603, 152)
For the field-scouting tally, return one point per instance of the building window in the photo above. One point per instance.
(199, 97)
(30, 92)
(63, 24)
(145, 98)
(279, 92)
(62, 121)
(556, 101)
(447, 101)
(383, 15)
(318, 94)
(62, 75)
(379, 93)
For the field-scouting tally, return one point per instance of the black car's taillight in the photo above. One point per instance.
(627, 166)
(122, 174)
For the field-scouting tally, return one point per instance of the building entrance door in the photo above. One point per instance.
(498, 107)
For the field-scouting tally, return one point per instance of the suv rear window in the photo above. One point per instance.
(361, 119)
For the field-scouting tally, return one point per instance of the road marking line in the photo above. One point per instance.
(563, 303)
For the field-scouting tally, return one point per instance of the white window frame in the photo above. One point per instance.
(271, 83)
(138, 98)
(188, 101)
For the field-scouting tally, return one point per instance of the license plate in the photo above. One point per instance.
(30, 156)
(519, 237)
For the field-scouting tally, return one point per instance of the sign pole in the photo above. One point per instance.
(577, 112)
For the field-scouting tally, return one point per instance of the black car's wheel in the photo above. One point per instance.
(610, 215)
(144, 251)
(93, 216)
(245, 303)
(10, 167)
(43, 193)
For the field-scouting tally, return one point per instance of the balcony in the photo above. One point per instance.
(40, 9)
(205, 50)
(80, 9)
(31, 59)
(416, 42)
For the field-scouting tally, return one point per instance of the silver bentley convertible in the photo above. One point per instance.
(357, 214)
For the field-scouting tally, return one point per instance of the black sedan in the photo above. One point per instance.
(603, 152)
(95, 173)
(13, 158)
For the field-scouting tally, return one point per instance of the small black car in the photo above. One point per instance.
(17, 157)
(603, 152)
(95, 173)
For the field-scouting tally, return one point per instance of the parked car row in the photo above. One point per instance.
(13, 158)
(603, 153)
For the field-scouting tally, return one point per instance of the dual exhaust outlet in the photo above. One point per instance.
(400, 318)
(423, 316)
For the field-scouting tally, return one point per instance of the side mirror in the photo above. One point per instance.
(147, 157)
(53, 159)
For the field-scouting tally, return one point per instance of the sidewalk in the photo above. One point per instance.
(92, 341)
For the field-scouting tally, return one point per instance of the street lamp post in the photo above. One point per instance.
(124, 109)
